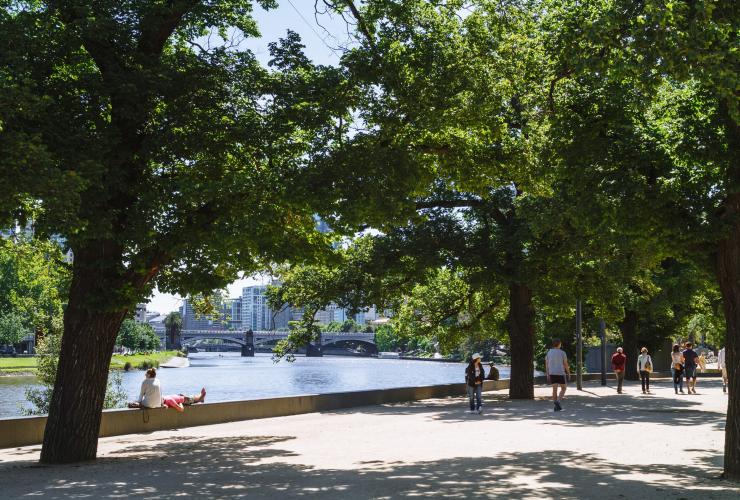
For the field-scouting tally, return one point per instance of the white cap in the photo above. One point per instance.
(476, 356)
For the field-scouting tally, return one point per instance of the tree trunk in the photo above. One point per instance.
(73, 425)
(521, 336)
(628, 327)
(727, 267)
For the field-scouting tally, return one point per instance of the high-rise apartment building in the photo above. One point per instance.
(193, 321)
(232, 313)
(256, 314)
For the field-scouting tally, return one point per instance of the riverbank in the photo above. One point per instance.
(21, 366)
(26, 366)
(427, 449)
(142, 361)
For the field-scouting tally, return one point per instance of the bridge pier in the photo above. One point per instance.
(248, 347)
(313, 351)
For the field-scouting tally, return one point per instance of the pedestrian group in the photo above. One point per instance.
(684, 364)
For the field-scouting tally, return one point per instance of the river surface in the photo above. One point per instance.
(228, 377)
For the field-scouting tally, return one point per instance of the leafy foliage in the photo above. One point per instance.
(12, 329)
(137, 336)
(47, 352)
(33, 283)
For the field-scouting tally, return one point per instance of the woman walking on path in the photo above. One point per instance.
(644, 366)
(702, 362)
(474, 376)
(677, 368)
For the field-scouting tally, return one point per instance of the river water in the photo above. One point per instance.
(228, 377)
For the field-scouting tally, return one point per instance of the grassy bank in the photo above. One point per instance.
(22, 366)
(141, 361)
(17, 366)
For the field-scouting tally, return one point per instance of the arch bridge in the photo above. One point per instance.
(358, 342)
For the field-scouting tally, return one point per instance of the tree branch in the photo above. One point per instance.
(160, 23)
(499, 216)
(550, 95)
(462, 203)
(360, 22)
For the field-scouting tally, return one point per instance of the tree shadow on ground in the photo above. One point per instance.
(256, 467)
(579, 410)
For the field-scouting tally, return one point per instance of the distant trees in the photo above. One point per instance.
(173, 327)
(137, 336)
(33, 283)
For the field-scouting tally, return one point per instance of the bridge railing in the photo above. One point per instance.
(266, 333)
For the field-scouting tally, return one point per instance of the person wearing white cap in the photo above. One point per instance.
(474, 376)
(618, 363)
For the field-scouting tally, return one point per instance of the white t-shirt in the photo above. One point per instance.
(151, 393)
(555, 361)
(676, 358)
(642, 360)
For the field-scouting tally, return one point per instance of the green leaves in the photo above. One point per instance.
(33, 284)
(137, 336)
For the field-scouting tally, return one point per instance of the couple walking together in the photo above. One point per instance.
(644, 367)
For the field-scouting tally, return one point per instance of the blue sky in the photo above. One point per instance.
(319, 38)
(320, 33)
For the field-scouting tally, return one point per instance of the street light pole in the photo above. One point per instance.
(579, 348)
(602, 334)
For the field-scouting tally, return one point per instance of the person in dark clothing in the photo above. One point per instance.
(474, 376)
(618, 362)
(689, 367)
(493, 373)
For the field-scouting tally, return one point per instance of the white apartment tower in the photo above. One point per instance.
(256, 314)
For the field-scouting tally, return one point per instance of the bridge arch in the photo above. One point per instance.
(189, 340)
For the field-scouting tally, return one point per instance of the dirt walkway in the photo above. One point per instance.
(603, 445)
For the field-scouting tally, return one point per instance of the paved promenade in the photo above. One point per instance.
(603, 445)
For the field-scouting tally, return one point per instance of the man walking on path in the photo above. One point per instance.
(618, 362)
(722, 365)
(690, 357)
(558, 371)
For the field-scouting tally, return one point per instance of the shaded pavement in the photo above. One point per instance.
(603, 445)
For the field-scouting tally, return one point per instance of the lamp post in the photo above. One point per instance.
(602, 334)
(579, 348)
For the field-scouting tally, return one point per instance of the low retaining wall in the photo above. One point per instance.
(23, 431)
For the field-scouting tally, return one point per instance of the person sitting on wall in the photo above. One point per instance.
(150, 395)
(493, 373)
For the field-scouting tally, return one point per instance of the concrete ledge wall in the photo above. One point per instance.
(23, 431)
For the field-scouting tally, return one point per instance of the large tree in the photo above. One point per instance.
(161, 160)
(673, 69)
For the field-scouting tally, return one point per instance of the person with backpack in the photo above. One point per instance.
(474, 377)
(645, 367)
